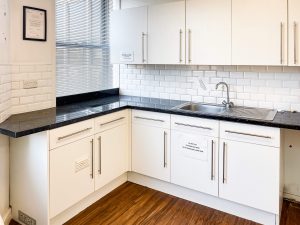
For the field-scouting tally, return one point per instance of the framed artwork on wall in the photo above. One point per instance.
(34, 24)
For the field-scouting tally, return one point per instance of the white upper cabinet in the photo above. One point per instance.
(166, 33)
(129, 36)
(259, 32)
(294, 38)
(208, 32)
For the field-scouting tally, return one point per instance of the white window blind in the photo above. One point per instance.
(82, 46)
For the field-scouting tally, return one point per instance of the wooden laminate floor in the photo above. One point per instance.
(135, 204)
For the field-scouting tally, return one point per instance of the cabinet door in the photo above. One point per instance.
(194, 161)
(249, 175)
(259, 34)
(208, 37)
(166, 37)
(71, 176)
(129, 36)
(111, 155)
(151, 151)
(294, 38)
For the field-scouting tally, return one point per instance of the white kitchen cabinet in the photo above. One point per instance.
(259, 32)
(249, 166)
(166, 33)
(71, 174)
(294, 38)
(194, 154)
(111, 154)
(151, 144)
(129, 36)
(208, 32)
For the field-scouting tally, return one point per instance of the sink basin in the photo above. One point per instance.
(202, 108)
(237, 111)
(252, 113)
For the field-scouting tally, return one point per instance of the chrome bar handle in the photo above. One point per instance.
(295, 43)
(224, 163)
(143, 47)
(103, 124)
(180, 46)
(248, 134)
(212, 161)
(189, 45)
(145, 118)
(165, 149)
(92, 174)
(72, 134)
(281, 43)
(194, 126)
(100, 156)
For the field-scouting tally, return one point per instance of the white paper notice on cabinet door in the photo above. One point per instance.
(193, 147)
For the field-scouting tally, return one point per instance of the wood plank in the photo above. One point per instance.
(135, 204)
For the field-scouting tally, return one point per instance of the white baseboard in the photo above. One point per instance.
(7, 217)
(206, 200)
(86, 202)
(292, 197)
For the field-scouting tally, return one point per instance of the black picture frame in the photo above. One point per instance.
(44, 39)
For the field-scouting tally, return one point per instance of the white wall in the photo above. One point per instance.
(4, 176)
(32, 60)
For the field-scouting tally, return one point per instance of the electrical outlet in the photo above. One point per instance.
(29, 84)
(26, 219)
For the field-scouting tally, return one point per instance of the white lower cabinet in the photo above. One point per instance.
(250, 172)
(249, 175)
(111, 154)
(194, 155)
(71, 176)
(151, 144)
(86, 164)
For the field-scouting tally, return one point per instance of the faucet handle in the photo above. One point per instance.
(224, 102)
(228, 104)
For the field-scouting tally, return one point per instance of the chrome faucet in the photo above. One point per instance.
(228, 103)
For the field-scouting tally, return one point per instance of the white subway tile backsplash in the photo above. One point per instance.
(259, 86)
(15, 99)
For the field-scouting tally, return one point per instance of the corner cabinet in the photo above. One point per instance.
(111, 148)
(151, 144)
(129, 36)
(259, 32)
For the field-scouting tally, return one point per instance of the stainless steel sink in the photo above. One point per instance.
(202, 108)
(252, 113)
(237, 111)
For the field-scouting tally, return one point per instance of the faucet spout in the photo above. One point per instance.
(227, 103)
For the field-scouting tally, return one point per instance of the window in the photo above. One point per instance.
(82, 46)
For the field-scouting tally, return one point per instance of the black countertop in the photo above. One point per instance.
(37, 121)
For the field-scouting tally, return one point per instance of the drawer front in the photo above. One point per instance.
(151, 119)
(196, 125)
(260, 135)
(112, 120)
(68, 134)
